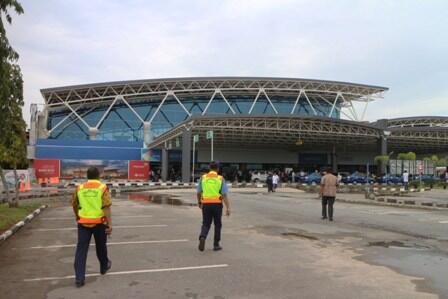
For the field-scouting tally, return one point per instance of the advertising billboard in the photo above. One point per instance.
(139, 170)
(47, 168)
(109, 169)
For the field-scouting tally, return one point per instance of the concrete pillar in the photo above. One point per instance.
(334, 160)
(382, 142)
(147, 134)
(383, 152)
(92, 133)
(42, 125)
(164, 164)
(186, 156)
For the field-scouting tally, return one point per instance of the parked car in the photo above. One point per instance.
(357, 178)
(426, 178)
(259, 176)
(314, 177)
(300, 176)
(391, 179)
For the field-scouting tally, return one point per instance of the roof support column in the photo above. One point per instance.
(334, 160)
(186, 156)
(382, 143)
(92, 133)
(164, 165)
(147, 134)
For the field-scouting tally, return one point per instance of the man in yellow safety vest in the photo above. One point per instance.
(91, 204)
(211, 193)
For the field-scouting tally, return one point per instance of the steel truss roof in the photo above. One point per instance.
(314, 132)
(337, 94)
(250, 131)
(419, 139)
(161, 86)
(420, 121)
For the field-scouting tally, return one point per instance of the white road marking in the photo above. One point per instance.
(117, 226)
(386, 212)
(112, 243)
(115, 216)
(443, 221)
(131, 272)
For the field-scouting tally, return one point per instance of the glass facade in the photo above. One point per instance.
(121, 124)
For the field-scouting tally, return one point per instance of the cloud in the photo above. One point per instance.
(383, 43)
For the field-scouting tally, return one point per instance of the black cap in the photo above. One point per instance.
(214, 165)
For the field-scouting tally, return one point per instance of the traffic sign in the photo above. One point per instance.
(209, 134)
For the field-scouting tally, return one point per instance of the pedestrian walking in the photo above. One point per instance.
(211, 193)
(328, 187)
(275, 179)
(269, 182)
(91, 204)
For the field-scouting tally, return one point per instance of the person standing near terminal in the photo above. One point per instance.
(328, 186)
(91, 204)
(275, 179)
(211, 193)
(406, 179)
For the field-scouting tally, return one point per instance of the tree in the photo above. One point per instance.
(382, 161)
(407, 156)
(12, 125)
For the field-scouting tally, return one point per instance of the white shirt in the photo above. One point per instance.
(275, 179)
(405, 177)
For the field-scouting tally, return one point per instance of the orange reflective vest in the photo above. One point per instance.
(211, 184)
(90, 198)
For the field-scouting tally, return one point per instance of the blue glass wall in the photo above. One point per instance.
(88, 150)
(122, 124)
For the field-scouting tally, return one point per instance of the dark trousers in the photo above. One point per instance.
(84, 236)
(211, 212)
(330, 201)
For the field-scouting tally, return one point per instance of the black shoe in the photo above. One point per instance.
(217, 248)
(109, 265)
(79, 283)
(201, 244)
(323, 218)
(331, 219)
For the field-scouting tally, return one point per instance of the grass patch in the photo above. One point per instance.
(10, 216)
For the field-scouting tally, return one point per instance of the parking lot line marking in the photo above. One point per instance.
(443, 221)
(118, 226)
(115, 216)
(112, 243)
(131, 272)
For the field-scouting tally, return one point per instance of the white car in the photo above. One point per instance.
(259, 176)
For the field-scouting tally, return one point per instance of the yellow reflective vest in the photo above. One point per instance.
(90, 198)
(211, 184)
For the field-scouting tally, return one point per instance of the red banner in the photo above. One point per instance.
(139, 170)
(46, 168)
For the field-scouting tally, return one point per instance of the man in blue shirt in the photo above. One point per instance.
(211, 193)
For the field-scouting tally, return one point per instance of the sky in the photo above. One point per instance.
(402, 45)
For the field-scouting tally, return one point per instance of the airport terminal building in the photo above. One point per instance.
(246, 123)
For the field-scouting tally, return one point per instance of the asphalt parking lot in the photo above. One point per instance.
(275, 246)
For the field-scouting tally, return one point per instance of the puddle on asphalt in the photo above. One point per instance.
(288, 233)
(430, 266)
(397, 245)
(156, 199)
(299, 235)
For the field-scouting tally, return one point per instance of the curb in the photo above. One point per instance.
(21, 223)
(390, 203)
